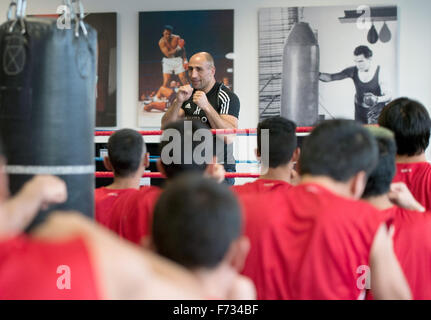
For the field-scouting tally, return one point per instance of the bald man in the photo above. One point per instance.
(209, 101)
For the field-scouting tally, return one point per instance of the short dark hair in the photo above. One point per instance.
(125, 150)
(195, 221)
(410, 122)
(364, 50)
(380, 178)
(338, 149)
(282, 140)
(186, 137)
(168, 27)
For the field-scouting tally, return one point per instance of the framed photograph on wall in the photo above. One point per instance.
(106, 102)
(327, 62)
(163, 69)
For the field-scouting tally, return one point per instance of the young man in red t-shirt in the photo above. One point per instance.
(128, 159)
(277, 149)
(69, 257)
(410, 122)
(132, 214)
(28, 267)
(197, 224)
(317, 241)
(412, 238)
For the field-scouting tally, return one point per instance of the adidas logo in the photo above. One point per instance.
(187, 106)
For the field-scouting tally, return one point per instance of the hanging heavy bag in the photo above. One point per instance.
(47, 103)
(300, 83)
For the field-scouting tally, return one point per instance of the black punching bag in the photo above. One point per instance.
(47, 106)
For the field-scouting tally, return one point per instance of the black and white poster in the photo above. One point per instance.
(329, 62)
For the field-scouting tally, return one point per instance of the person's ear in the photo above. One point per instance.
(147, 243)
(357, 184)
(296, 154)
(4, 181)
(257, 153)
(146, 160)
(237, 253)
(160, 167)
(107, 163)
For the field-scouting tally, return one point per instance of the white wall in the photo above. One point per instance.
(414, 40)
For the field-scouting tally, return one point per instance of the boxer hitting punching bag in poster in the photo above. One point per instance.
(47, 103)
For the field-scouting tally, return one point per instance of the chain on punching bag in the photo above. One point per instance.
(47, 103)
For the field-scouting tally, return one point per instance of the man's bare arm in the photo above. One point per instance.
(387, 278)
(401, 196)
(175, 112)
(123, 270)
(384, 89)
(38, 193)
(221, 121)
(327, 77)
(216, 120)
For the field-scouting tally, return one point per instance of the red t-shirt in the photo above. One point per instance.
(32, 270)
(417, 177)
(412, 246)
(105, 199)
(262, 185)
(308, 244)
(132, 214)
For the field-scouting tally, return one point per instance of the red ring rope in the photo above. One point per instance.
(108, 174)
(213, 131)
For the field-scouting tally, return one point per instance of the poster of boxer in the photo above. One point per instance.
(327, 62)
(167, 40)
(106, 101)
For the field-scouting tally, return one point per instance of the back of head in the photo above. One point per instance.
(364, 50)
(180, 149)
(195, 221)
(125, 150)
(282, 140)
(338, 149)
(380, 179)
(410, 122)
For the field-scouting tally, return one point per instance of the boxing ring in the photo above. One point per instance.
(300, 131)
